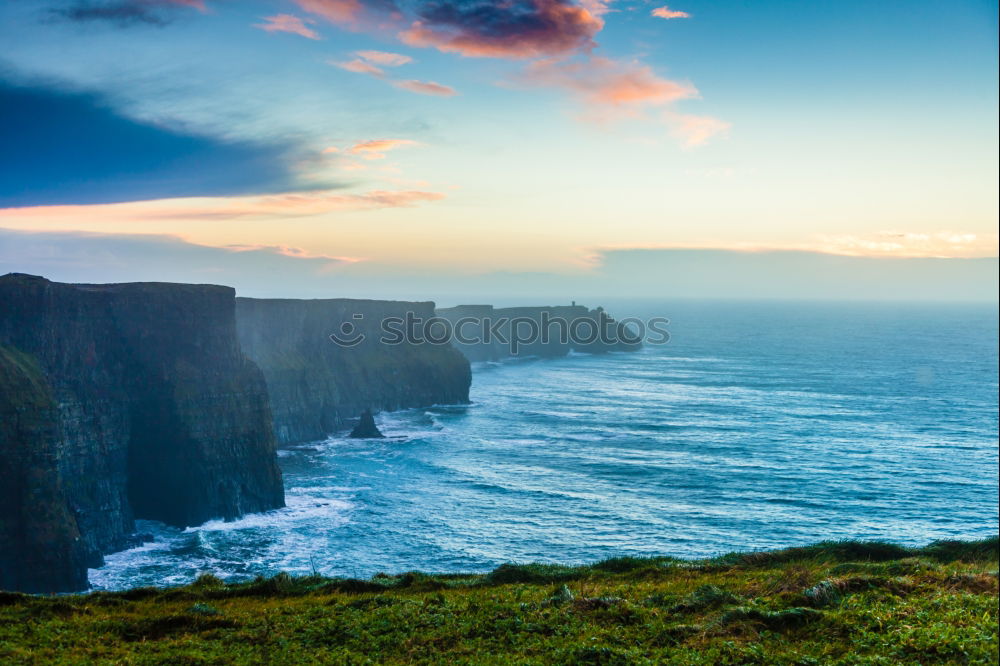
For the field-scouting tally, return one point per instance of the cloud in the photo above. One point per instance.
(603, 82)
(596, 7)
(515, 29)
(371, 62)
(125, 13)
(315, 203)
(92, 257)
(375, 149)
(289, 251)
(694, 130)
(896, 243)
(69, 147)
(359, 66)
(426, 88)
(282, 205)
(365, 64)
(341, 12)
(775, 274)
(558, 36)
(384, 58)
(668, 273)
(612, 89)
(288, 23)
(665, 12)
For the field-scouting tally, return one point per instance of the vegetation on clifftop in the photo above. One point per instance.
(835, 602)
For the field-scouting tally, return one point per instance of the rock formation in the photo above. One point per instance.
(318, 386)
(366, 428)
(119, 402)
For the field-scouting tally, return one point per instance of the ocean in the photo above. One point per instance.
(759, 425)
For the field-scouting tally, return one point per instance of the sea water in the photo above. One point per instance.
(757, 426)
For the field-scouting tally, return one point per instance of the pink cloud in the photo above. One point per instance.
(359, 66)
(371, 62)
(290, 24)
(317, 203)
(608, 83)
(375, 149)
(426, 88)
(596, 7)
(695, 130)
(612, 88)
(556, 27)
(384, 58)
(341, 12)
(558, 36)
(285, 205)
(665, 12)
(364, 65)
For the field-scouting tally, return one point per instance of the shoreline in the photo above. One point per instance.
(873, 550)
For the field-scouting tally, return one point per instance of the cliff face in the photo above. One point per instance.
(545, 331)
(117, 402)
(318, 387)
(40, 546)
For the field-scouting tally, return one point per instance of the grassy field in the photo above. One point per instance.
(844, 602)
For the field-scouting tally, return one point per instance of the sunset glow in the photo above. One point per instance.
(520, 137)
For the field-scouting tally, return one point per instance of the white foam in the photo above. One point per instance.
(300, 508)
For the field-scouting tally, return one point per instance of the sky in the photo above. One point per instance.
(462, 149)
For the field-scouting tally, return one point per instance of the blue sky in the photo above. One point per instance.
(471, 137)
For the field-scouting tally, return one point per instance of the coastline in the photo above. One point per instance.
(831, 602)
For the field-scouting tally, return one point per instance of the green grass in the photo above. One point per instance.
(832, 603)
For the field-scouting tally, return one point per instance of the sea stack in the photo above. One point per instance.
(366, 428)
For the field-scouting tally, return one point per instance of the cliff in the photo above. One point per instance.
(119, 402)
(40, 546)
(485, 333)
(318, 387)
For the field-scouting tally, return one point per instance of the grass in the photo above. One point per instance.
(831, 603)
